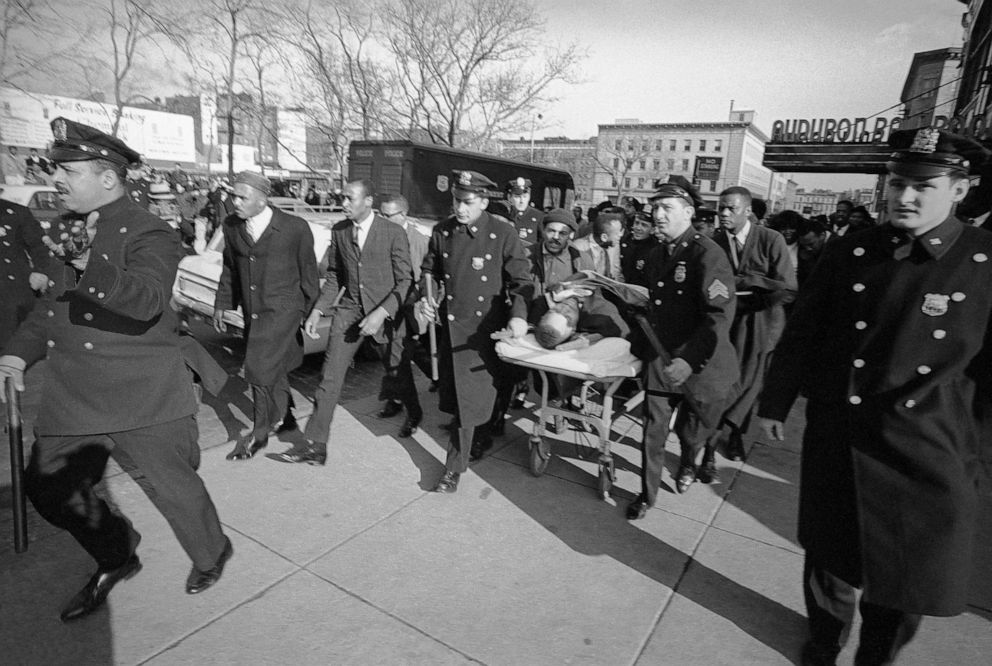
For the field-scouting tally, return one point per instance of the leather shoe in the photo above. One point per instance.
(707, 472)
(518, 401)
(432, 388)
(410, 425)
(312, 454)
(686, 477)
(288, 424)
(481, 443)
(95, 593)
(198, 581)
(637, 509)
(735, 447)
(497, 427)
(246, 448)
(391, 409)
(448, 483)
(817, 655)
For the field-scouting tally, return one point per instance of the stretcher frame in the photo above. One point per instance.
(602, 425)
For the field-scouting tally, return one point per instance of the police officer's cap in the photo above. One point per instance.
(677, 189)
(472, 182)
(929, 153)
(561, 216)
(76, 142)
(518, 186)
(256, 180)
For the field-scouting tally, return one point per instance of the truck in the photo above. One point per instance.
(422, 172)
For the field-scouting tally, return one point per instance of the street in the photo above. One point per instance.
(356, 563)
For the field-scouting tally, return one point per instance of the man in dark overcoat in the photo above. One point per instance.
(891, 343)
(483, 266)
(270, 270)
(115, 380)
(692, 305)
(765, 280)
(368, 279)
(24, 265)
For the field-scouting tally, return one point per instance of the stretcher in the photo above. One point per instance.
(603, 366)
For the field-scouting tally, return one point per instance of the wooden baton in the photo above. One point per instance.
(432, 329)
(17, 467)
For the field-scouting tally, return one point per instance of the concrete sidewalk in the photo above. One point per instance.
(357, 563)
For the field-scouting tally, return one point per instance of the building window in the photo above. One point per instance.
(614, 179)
(671, 144)
(656, 165)
(640, 183)
(657, 145)
(702, 145)
(712, 186)
(671, 165)
(626, 183)
(616, 162)
(685, 165)
(618, 145)
(644, 146)
(717, 145)
(688, 145)
(643, 164)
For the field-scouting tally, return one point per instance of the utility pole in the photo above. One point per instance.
(533, 123)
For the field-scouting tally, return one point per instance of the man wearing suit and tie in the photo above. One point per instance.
(765, 281)
(368, 277)
(270, 271)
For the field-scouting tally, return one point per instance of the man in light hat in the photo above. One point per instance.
(116, 384)
(483, 266)
(890, 341)
(692, 300)
(270, 270)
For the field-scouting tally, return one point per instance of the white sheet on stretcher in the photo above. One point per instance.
(610, 357)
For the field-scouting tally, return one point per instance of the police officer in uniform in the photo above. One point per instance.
(23, 265)
(891, 343)
(525, 217)
(486, 277)
(115, 382)
(637, 248)
(692, 306)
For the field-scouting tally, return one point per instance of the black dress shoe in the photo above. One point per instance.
(448, 483)
(246, 448)
(685, 478)
(497, 427)
(735, 447)
(95, 593)
(432, 388)
(410, 425)
(198, 581)
(482, 443)
(391, 409)
(637, 509)
(288, 424)
(817, 655)
(707, 472)
(518, 401)
(312, 454)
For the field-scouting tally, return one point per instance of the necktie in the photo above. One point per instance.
(607, 269)
(252, 228)
(356, 236)
(739, 246)
(904, 248)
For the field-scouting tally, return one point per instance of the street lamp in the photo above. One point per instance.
(533, 123)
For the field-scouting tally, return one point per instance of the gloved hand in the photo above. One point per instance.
(13, 367)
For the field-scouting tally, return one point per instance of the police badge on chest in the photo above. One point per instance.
(680, 272)
(478, 263)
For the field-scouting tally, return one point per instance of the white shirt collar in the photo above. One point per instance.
(743, 233)
(365, 222)
(262, 219)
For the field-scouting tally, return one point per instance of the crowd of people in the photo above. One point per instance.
(885, 329)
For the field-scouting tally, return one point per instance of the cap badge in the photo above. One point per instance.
(925, 140)
(680, 273)
(477, 263)
(935, 305)
(639, 264)
(442, 184)
(522, 233)
(520, 183)
(464, 178)
(59, 130)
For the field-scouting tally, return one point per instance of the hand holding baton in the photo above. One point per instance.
(432, 328)
(16, 466)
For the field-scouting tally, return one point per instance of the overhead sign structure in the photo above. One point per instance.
(25, 118)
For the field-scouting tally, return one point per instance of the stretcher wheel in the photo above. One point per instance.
(606, 473)
(540, 455)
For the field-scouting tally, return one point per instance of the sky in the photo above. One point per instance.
(664, 61)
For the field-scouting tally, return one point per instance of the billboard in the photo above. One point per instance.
(708, 168)
(25, 118)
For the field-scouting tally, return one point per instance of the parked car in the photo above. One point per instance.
(195, 289)
(305, 210)
(43, 200)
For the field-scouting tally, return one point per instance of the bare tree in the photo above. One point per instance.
(619, 154)
(463, 68)
(33, 41)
